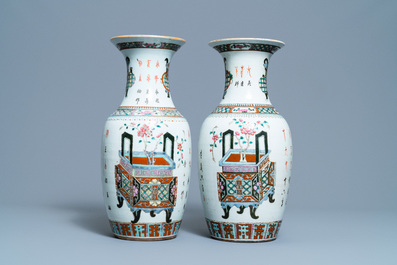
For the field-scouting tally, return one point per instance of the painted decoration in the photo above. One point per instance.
(245, 149)
(146, 154)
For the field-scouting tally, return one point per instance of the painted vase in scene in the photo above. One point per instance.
(245, 149)
(146, 147)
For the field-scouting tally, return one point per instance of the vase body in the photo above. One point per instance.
(245, 149)
(146, 147)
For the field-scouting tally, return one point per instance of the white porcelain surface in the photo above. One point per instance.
(244, 198)
(145, 198)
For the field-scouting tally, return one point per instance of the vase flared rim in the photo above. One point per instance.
(158, 42)
(246, 40)
(143, 36)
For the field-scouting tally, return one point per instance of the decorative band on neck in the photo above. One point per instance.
(246, 47)
(140, 44)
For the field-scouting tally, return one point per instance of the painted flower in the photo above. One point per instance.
(215, 138)
(237, 133)
(144, 131)
(134, 191)
(118, 178)
(158, 136)
(182, 155)
(248, 130)
(241, 120)
(179, 147)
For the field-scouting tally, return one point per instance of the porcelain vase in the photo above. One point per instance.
(245, 149)
(146, 147)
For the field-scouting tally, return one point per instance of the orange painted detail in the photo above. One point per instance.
(159, 161)
(251, 158)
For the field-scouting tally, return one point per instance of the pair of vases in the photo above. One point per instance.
(244, 151)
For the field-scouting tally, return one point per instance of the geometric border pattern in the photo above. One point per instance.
(145, 230)
(245, 109)
(157, 112)
(140, 44)
(244, 231)
(246, 47)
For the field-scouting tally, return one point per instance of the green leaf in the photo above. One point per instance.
(215, 146)
(140, 141)
(241, 138)
(244, 142)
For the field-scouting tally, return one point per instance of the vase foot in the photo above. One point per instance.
(144, 238)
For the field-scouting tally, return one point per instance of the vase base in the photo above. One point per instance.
(242, 240)
(143, 238)
(243, 232)
(145, 231)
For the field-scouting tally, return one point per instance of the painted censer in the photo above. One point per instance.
(146, 147)
(245, 148)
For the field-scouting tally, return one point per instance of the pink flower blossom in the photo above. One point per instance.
(215, 138)
(182, 155)
(144, 131)
(258, 122)
(134, 191)
(173, 190)
(249, 131)
(179, 147)
(241, 120)
(158, 136)
(237, 133)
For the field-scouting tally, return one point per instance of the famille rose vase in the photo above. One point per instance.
(245, 149)
(146, 147)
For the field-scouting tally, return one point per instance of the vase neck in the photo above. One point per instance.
(246, 65)
(147, 61)
(246, 78)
